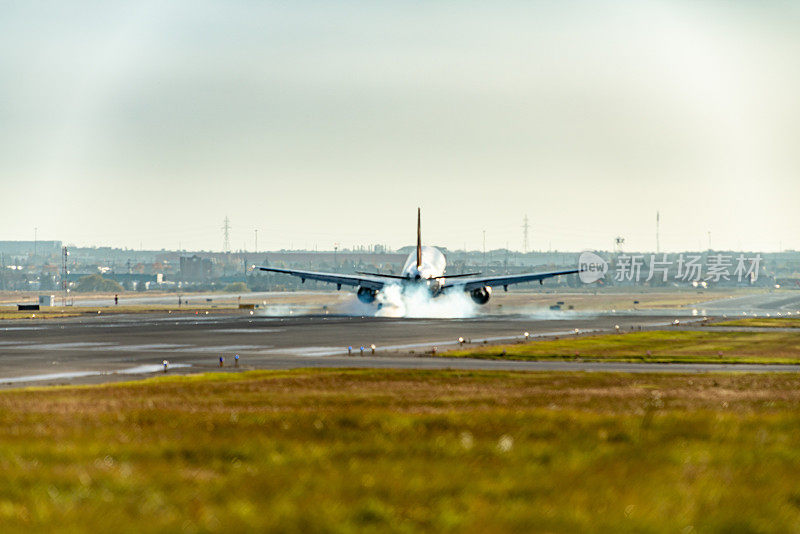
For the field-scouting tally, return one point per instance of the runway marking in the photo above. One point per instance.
(147, 368)
(67, 346)
(144, 348)
(221, 348)
(139, 369)
(309, 352)
(204, 318)
(249, 330)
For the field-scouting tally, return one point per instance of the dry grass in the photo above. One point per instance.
(192, 304)
(404, 451)
(666, 346)
(764, 322)
(607, 300)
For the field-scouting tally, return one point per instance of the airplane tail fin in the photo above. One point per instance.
(419, 238)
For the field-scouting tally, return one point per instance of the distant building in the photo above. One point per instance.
(23, 248)
(195, 268)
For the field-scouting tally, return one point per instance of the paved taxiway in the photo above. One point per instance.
(108, 348)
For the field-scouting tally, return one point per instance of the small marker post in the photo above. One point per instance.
(165, 363)
(350, 351)
(526, 335)
(372, 347)
(362, 350)
(221, 361)
(236, 361)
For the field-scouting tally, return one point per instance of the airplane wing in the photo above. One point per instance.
(468, 284)
(368, 281)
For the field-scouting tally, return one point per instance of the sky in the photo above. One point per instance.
(145, 124)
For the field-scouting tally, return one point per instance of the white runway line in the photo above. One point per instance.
(68, 346)
(139, 369)
(308, 352)
(248, 330)
(153, 347)
(222, 348)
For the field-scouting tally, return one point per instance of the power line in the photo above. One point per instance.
(658, 237)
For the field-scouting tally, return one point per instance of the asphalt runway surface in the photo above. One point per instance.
(761, 304)
(110, 348)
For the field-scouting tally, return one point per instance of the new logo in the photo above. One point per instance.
(592, 267)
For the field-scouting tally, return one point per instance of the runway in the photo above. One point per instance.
(759, 304)
(107, 348)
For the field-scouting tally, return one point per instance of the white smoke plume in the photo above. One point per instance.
(415, 302)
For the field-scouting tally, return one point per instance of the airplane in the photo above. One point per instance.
(423, 268)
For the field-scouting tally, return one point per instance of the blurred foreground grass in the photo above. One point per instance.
(404, 451)
(664, 346)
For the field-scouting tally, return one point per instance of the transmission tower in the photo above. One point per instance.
(484, 249)
(226, 233)
(618, 242)
(525, 227)
(658, 235)
(64, 273)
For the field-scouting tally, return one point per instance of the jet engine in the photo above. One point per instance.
(481, 295)
(366, 295)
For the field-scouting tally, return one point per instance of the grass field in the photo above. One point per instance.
(403, 451)
(767, 322)
(604, 300)
(667, 346)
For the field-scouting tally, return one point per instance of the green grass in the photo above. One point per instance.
(404, 451)
(667, 346)
(770, 322)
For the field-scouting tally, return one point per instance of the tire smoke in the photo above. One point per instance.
(417, 302)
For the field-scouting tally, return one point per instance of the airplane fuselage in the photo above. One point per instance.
(431, 269)
(431, 265)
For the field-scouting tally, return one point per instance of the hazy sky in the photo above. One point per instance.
(319, 122)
